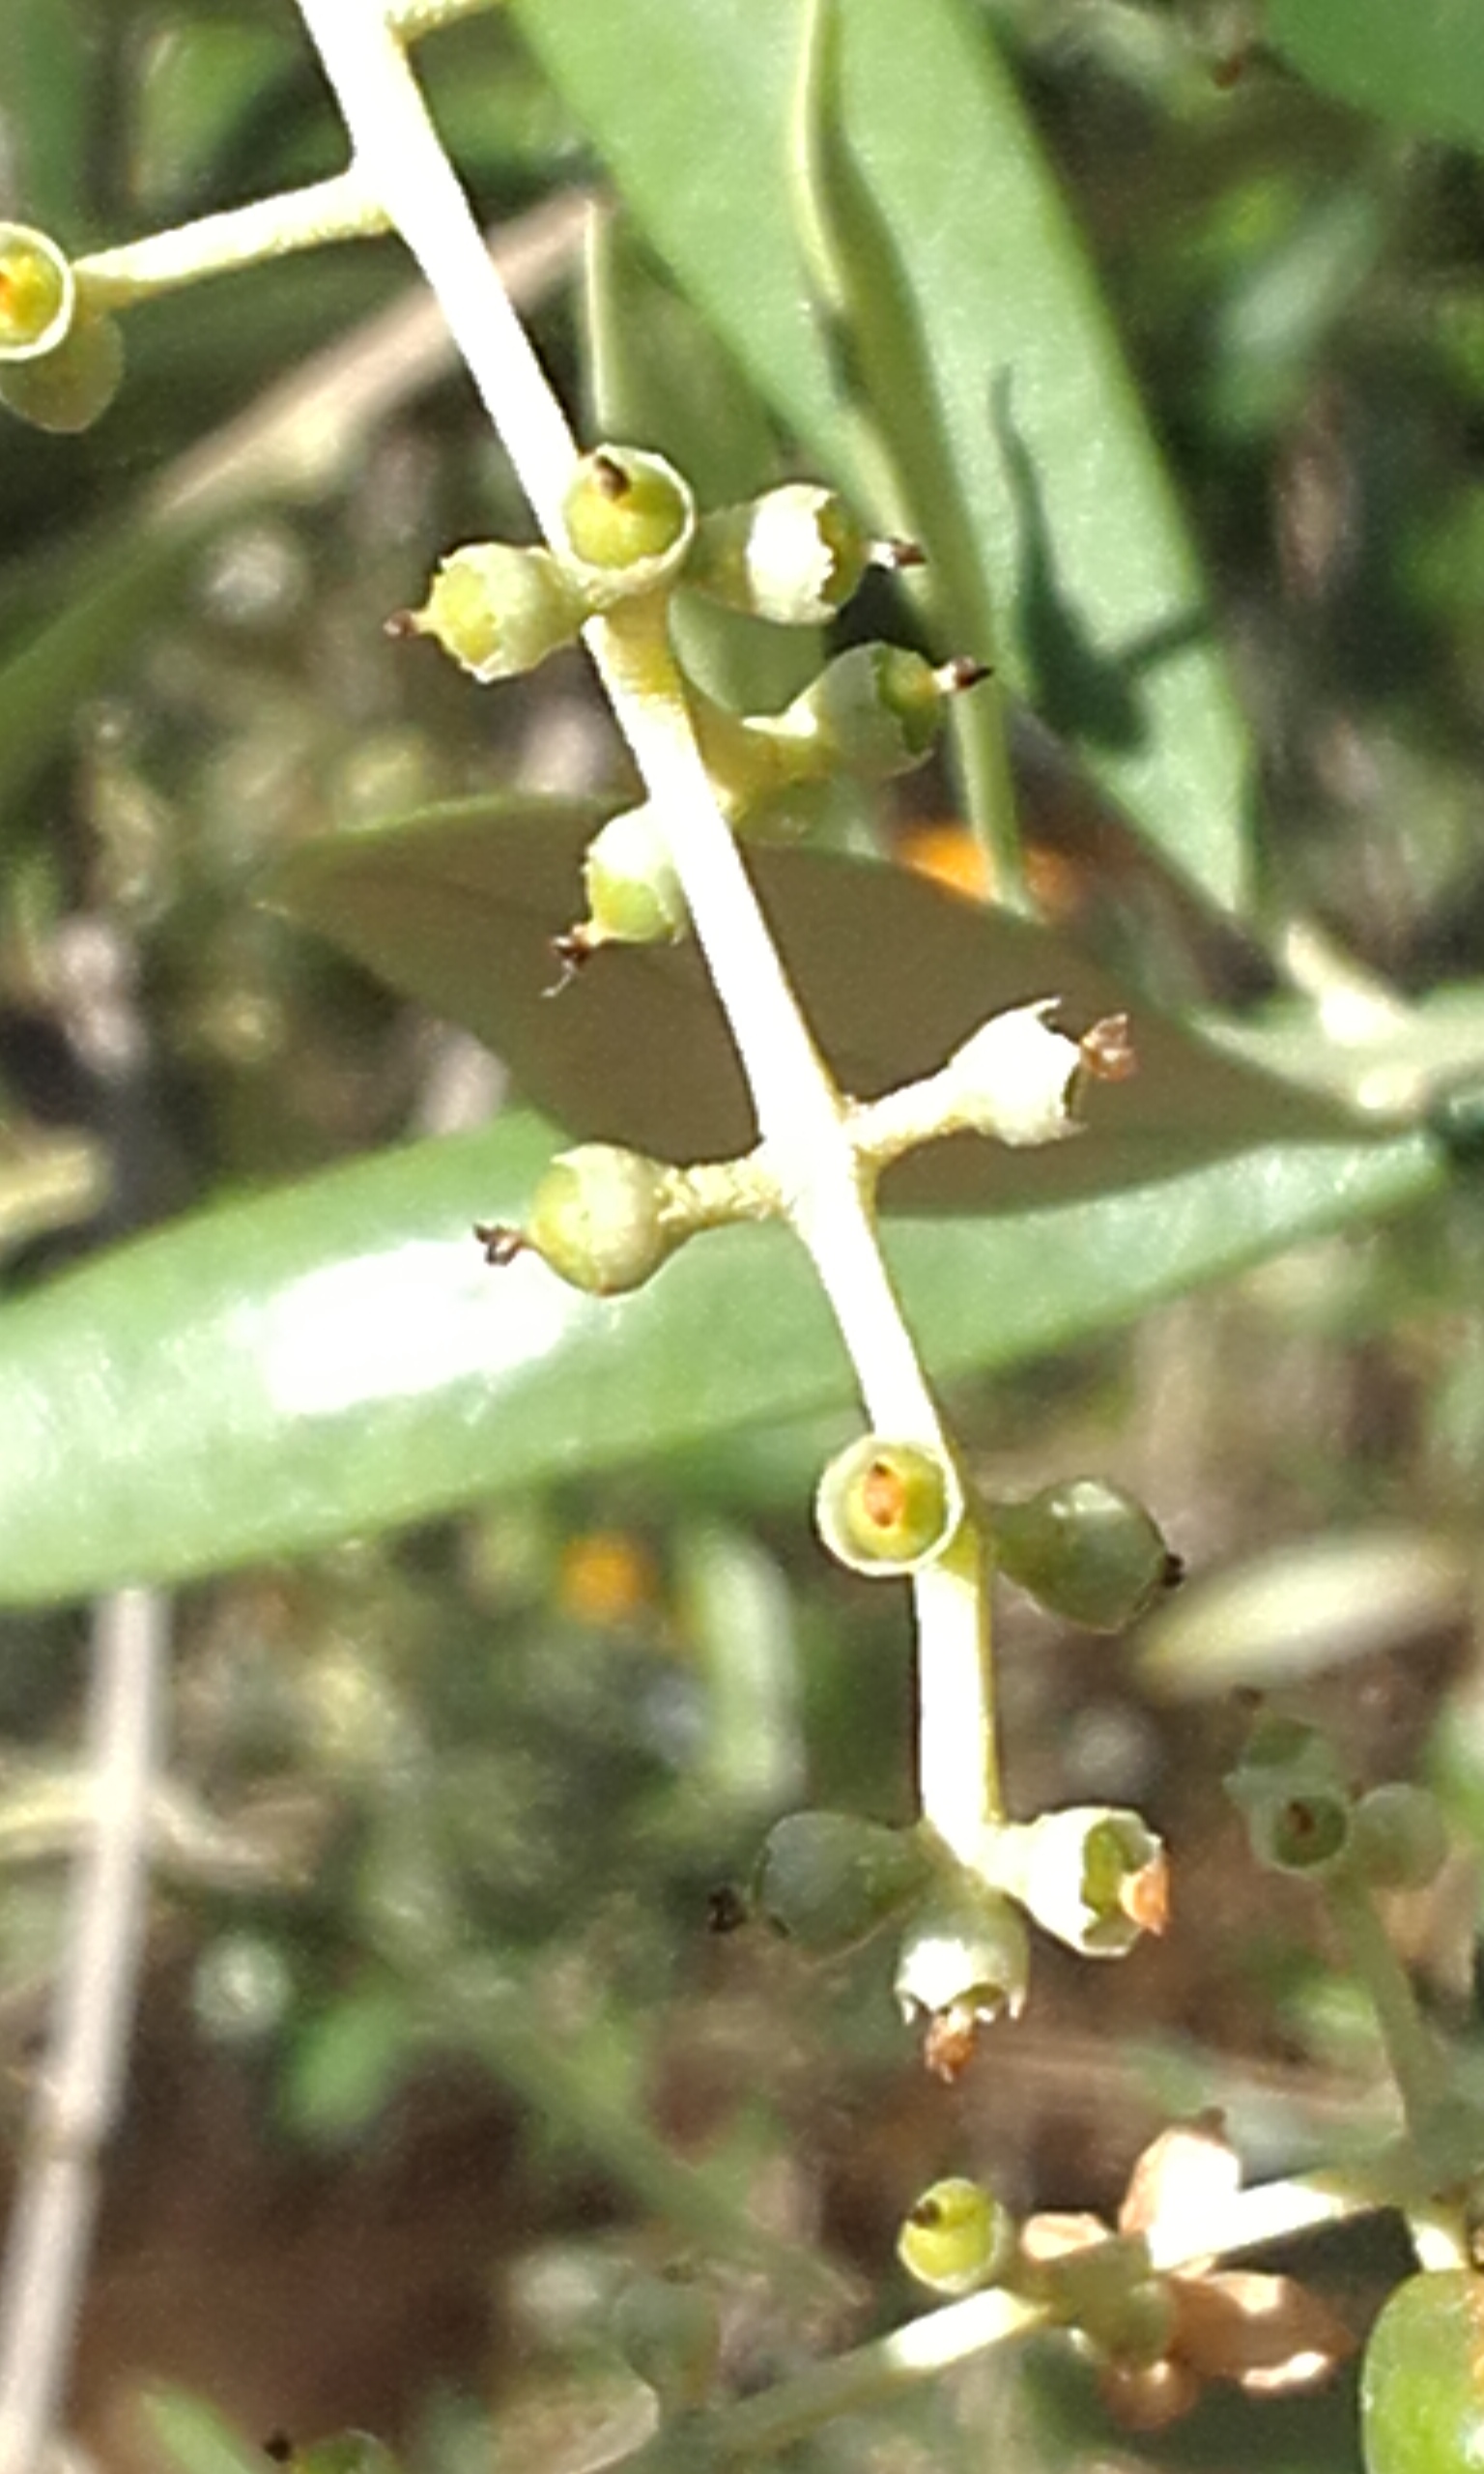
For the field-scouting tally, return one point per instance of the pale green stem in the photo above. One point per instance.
(801, 1117)
(957, 1763)
(414, 19)
(1418, 2063)
(79, 2086)
(891, 2366)
(342, 209)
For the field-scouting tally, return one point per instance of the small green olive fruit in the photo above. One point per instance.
(669, 2330)
(886, 1508)
(831, 1880)
(629, 520)
(37, 293)
(873, 712)
(1085, 1550)
(1422, 2378)
(64, 390)
(1399, 1839)
(605, 1219)
(499, 610)
(794, 555)
(956, 2237)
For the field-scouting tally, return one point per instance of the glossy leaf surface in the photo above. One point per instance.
(336, 1357)
(1028, 460)
(458, 907)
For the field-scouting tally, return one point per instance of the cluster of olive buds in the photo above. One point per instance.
(1304, 1818)
(607, 1220)
(1158, 2333)
(794, 557)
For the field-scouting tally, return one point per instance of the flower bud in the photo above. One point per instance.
(1094, 1876)
(965, 1958)
(634, 893)
(831, 1880)
(606, 1219)
(37, 293)
(65, 390)
(873, 712)
(888, 1508)
(497, 610)
(669, 2331)
(629, 520)
(794, 555)
(958, 2237)
(1085, 1550)
(1016, 1077)
(1399, 1839)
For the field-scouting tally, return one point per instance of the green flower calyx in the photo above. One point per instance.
(958, 2237)
(629, 521)
(61, 365)
(37, 293)
(794, 555)
(496, 609)
(1094, 1876)
(634, 891)
(964, 1960)
(873, 712)
(1287, 1787)
(885, 1508)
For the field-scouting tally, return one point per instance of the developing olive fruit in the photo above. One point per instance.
(1421, 2393)
(604, 1218)
(957, 2239)
(873, 712)
(831, 1880)
(497, 610)
(629, 520)
(1399, 1839)
(886, 1508)
(669, 2330)
(794, 555)
(634, 894)
(1085, 1550)
(66, 388)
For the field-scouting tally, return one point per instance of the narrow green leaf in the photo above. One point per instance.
(457, 907)
(1034, 469)
(1420, 64)
(270, 1376)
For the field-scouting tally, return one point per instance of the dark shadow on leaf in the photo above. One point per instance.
(1080, 692)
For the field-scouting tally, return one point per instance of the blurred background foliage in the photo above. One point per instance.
(435, 2044)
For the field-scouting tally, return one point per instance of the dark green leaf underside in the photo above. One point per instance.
(457, 908)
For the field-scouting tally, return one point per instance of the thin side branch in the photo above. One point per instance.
(82, 2077)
